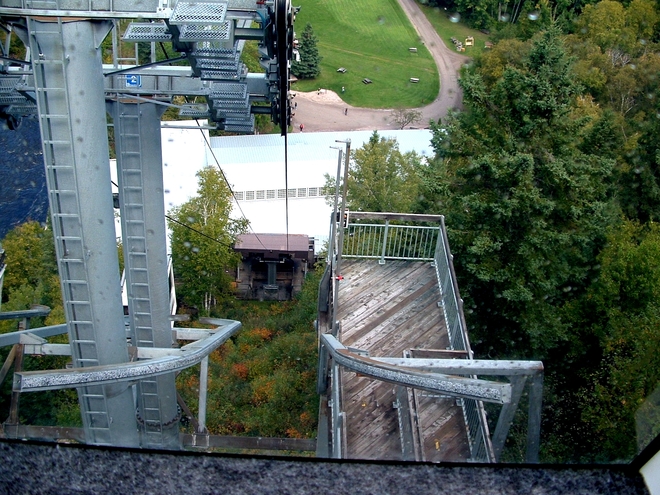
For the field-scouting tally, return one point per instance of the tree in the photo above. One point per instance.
(622, 308)
(264, 379)
(202, 239)
(527, 211)
(381, 178)
(31, 276)
(405, 116)
(308, 67)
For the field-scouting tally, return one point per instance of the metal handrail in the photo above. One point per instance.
(178, 359)
(481, 448)
(390, 241)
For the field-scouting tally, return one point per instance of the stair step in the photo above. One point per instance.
(195, 33)
(205, 13)
(147, 31)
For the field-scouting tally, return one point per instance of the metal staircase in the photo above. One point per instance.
(57, 140)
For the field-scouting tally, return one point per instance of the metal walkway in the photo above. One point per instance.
(389, 310)
(397, 377)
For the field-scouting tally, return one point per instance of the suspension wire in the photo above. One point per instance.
(199, 232)
(286, 186)
(188, 226)
(215, 158)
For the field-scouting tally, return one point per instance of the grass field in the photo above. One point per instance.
(370, 39)
(446, 29)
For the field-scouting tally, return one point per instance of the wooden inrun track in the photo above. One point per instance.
(388, 310)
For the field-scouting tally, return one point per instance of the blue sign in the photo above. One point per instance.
(133, 81)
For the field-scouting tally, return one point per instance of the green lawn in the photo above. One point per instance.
(370, 39)
(446, 29)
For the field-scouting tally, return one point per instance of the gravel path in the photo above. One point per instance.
(326, 111)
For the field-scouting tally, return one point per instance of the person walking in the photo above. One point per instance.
(345, 111)
(301, 127)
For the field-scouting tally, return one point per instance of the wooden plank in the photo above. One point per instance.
(391, 310)
(386, 310)
(437, 354)
(406, 430)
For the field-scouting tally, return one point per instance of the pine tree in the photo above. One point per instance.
(309, 65)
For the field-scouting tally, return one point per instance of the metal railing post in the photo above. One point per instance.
(381, 261)
(203, 386)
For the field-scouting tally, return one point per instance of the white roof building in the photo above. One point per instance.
(254, 166)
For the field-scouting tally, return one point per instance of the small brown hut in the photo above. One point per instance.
(272, 267)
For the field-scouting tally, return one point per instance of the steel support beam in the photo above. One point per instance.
(467, 366)
(144, 240)
(534, 418)
(70, 98)
(189, 355)
(499, 393)
(505, 419)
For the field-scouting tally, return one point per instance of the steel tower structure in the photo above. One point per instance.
(63, 81)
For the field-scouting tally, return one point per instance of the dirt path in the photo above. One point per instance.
(326, 111)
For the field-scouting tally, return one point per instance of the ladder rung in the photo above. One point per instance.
(94, 396)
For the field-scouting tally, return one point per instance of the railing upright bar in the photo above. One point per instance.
(385, 235)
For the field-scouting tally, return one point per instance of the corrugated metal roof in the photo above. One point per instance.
(272, 242)
(304, 146)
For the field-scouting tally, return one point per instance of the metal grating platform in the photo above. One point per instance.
(243, 4)
(12, 99)
(233, 113)
(147, 31)
(229, 90)
(206, 13)
(218, 63)
(194, 32)
(217, 75)
(240, 126)
(205, 50)
(229, 104)
(23, 109)
(195, 111)
(8, 83)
